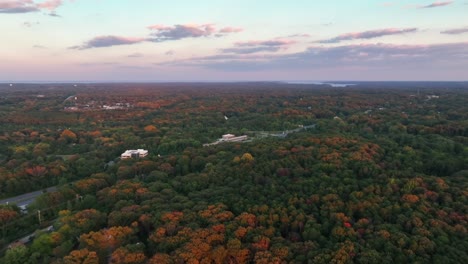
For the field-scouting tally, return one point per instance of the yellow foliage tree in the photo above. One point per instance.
(247, 157)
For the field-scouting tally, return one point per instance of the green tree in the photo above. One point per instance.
(17, 255)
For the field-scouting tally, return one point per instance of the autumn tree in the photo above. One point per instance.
(68, 136)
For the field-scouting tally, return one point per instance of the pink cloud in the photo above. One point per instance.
(230, 30)
(159, 27)
(18, 6)
(50, 5)
(26, 6)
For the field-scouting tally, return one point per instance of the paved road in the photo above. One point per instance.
(30, 237)
(27, 198)
(27, 239)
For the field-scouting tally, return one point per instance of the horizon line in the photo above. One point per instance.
(232, 81)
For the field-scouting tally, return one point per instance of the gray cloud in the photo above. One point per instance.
(19, 6)
(369, 34)
(455, 31)
(249, 47)
(160, 34)
(108, 41)
(27, 6)
(165, 33)
(437, 4)
(370, 56)
(54, 14)
(268, 43)
(250, 50)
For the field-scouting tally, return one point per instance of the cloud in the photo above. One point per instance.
(27, 6)
(97, 64)
(299, 36)
(160, 33)
(366, 56)
(133, 67)
(268, 43)
(30, 24)
(251, 50)
(108, 41)
(18, 6)
(54, 14)
(455, 31)
(249, 47)
(369, 34)
(135, 55)
(50, 5)
(169, 53)
(230, 30)
(165, 33)
(437, 4)
(39, 47)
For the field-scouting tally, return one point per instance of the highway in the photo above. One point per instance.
(27, 198)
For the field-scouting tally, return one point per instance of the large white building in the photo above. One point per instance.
(228, 138)
(232, 138)
(138, 153)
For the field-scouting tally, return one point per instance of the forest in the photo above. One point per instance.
(373, 173)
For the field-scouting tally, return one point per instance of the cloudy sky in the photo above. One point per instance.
(216, 40)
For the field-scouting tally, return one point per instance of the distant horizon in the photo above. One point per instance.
(317, 82)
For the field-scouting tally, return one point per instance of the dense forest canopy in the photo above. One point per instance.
(372, 173)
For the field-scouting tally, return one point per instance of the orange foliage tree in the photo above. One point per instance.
(106, 240)
(68, 135)
(82, 256)
(125, 256)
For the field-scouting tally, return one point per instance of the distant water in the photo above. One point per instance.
(322, 83)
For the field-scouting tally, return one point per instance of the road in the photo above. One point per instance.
(27, 198)
(27, 239)
(30, 237)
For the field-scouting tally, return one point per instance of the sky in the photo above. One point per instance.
(233, 40)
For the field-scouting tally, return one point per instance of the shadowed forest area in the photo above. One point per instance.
(380, 175)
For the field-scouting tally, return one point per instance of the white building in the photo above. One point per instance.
(232, 138)
(227, 138)
(138, 153)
